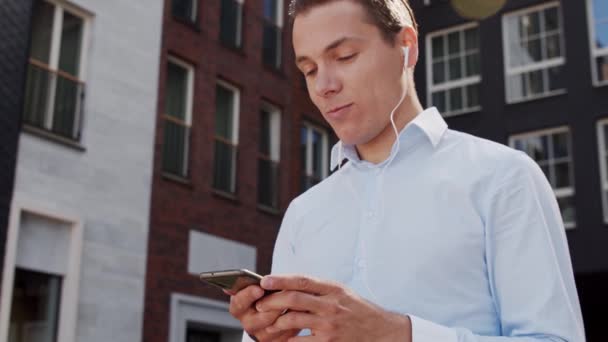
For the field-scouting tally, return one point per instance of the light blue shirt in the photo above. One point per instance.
(462, 234)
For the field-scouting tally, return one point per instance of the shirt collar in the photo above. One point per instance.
(429, 121)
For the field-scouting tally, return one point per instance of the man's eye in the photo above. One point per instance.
(310, 73)
(345, 58)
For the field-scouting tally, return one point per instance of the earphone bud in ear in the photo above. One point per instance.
(406, 55)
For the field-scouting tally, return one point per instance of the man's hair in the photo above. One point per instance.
(390, 16)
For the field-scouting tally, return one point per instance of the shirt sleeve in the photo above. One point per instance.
(529, 267)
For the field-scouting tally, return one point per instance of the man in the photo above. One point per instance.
(426, 234)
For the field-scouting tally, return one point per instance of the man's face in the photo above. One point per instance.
(353, 75)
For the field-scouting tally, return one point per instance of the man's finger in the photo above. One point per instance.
(244, 299)
(298, 283)
(298, 320)
(292, 300)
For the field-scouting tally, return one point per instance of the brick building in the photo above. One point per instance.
(235, 142)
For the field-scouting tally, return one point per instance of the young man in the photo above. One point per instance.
(426, 234)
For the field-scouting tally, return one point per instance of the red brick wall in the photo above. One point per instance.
(177, 208)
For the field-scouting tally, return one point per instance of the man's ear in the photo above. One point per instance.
(409, 37)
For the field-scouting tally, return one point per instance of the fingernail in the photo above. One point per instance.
(258, 293)
(259, 307)
(267, 282)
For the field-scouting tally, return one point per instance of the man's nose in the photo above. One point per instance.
(326, 83)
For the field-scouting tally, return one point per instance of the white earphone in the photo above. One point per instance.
(406, 55)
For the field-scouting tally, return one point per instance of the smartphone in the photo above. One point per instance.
(231, 280)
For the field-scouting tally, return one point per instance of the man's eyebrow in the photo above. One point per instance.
(329, 47)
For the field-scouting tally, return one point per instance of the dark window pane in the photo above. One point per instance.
(561, 145)
(534, 52)
(35, 307)
(200, 335)
(42, 30)
(231, 23)
(455, 68)
(317, 154)
(552, 19)
(184, 9)
(176, 92)
(268, 183)
(71, 40)
(437, 46)
(439, 101)
(536, 147)
(562, 175)
(67, 97)
(602, 68)
(438, 72)
(270, 10)
(531, 24)
(454, 43)
(566, 205)
(472, 96)
(271, 49)
(36, 96)
(556, 78)
(224, 170)
(472, 64)
(265, 133)
(553, 44)
(175, 142)
(455, 99)
(606, 140)
(224, 113)
(472, 39)
(536, 82)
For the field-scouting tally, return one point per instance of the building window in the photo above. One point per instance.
(534, 53)
(195, 334)
(314, 147)
(35, 306)
(453, 70)
(553, 152)
(602, 133)
(185, 10)
(226, 137)
(231, 23)
(55, 77)
(273, 33)
(177, 117)
(598, 25)
(269, 157)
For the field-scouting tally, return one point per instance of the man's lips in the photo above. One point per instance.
(337, 111)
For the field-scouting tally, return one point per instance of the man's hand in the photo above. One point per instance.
(330, 311)
(254, 322)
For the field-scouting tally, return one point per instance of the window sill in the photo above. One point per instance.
(538, 97)
(177, 179)
(462, 112)
(225, 195)
(269, 210)
(234, 49)
(53, 137)
(194, 25)
(277, 72)
(602, 84)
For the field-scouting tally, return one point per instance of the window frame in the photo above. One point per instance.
(193, 20)
(234, 139)
(448, 85)
(559, 192)
(60, 7)
(307, 168)
(238, 44)
(274, 146)
(535, 66)
(279, 22)
(187, 122)
(603, 155)
(595, 52)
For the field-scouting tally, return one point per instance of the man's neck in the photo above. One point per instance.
(379, 148)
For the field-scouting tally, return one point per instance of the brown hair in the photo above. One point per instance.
(390, 16)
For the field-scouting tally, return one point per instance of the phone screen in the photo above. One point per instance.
(231, 280)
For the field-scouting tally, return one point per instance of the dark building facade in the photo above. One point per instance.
(15, 16)
(232, 137)
(534, 77)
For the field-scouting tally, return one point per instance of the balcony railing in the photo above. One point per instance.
(272, 46)
(268, 182)
(224, 175)
(53, 101)
(175, 147)
(231, 19)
